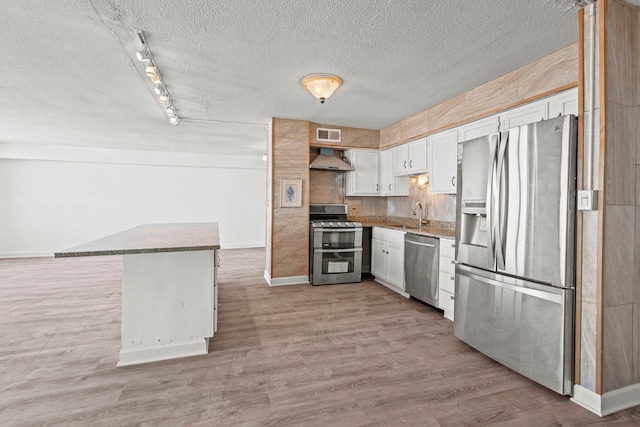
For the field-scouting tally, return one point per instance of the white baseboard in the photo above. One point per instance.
(27, 255)
(392, 287)
(135, 356)
(285, 281)
(607, 403)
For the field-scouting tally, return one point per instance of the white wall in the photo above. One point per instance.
(50, 205)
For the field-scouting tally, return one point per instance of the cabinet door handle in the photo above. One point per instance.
(452, 278)
(453, 245)
(453, 262)
(389, 187)
(405, 164)
(377, 187)
(451, 296)
(453, 181)
(411, 164)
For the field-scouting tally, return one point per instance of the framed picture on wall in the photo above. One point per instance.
(291, 193)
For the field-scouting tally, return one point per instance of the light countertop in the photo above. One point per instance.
(437, 229)
(151, 238)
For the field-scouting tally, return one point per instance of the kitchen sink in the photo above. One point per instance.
(412, 227)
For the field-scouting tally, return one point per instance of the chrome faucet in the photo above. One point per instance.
(418, 206)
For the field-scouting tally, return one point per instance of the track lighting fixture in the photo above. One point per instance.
(143, 56)
(151, 70)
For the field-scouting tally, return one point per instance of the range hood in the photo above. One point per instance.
(327, 161)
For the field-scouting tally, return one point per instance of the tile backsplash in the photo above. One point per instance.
(328, 187)
(438, 207)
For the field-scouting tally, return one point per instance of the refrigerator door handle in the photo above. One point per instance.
(547, 296)
(502, 201)
(491, 214)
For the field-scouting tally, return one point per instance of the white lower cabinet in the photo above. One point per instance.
(447, 277)
(387, 258)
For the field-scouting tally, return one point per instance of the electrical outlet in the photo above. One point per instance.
(587, 200)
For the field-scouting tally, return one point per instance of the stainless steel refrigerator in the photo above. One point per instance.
(515, 249)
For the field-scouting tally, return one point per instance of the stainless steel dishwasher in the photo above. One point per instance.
(421, 267)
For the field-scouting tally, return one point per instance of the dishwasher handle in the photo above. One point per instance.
(420, 244)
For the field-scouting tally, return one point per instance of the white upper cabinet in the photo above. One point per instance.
(529, 113)
(364, 181)
(400, 160)
(411, 158)
(390, 184)
(482, 127)
(444, 152)
(557, 105)
(564, 103)
(418, 156)
(386, 173)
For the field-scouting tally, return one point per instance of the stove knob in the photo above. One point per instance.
(330, 224)
(339, 224)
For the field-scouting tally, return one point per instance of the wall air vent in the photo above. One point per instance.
(328, 135)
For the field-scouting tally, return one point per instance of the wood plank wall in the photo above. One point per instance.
(351, 137)
(620, 245)
(290, 226)
(550, 74)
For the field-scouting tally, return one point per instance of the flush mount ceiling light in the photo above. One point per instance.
(151, 70)
(321, 86)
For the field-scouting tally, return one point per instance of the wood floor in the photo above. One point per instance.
(342, 355)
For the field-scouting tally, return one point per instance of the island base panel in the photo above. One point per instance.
(167, 305)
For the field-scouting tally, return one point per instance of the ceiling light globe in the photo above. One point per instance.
(322, 86)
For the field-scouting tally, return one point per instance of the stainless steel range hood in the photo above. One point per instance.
(327, 161)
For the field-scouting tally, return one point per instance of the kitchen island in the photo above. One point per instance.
(169, 288)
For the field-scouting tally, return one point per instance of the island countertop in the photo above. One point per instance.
(151, 238)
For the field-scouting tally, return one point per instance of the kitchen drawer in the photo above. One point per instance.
(447, 265)
(447, 282)
(395, 238)
(445, 299)
(448, 248)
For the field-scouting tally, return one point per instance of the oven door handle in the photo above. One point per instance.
(324, 251)
(337, 230)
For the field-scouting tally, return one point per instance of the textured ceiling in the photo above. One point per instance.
(68, 74)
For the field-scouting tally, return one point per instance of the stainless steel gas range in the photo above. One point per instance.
(335, 245)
